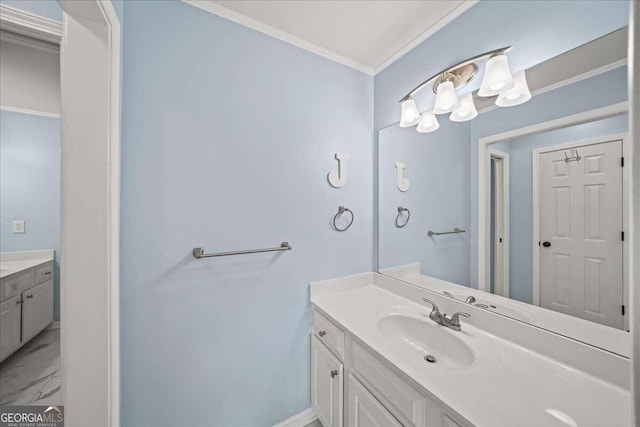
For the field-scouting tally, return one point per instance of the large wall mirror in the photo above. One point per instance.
(522, 210)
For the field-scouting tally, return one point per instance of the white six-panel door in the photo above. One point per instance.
(581, 221)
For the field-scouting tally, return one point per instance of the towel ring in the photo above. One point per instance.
(400, 210)
(341, 210)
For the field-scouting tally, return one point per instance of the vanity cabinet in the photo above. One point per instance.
(373, 394)
(37, 309)
(10, 315)
(26, 306)
(364, 409)
(326, 384)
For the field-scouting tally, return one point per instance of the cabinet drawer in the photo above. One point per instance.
(328, 333)
(407, 401)
(13, 285)
(44, 273)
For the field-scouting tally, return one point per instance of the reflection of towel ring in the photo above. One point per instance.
(400, 210)
(341, 210)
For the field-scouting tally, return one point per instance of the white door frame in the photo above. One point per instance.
(626, 206)
(80, 327)
(484, 179)
(504, 261)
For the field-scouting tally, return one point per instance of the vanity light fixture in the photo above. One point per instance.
(497, 76)
(410, 114)
(446, 98)
(517, 95)
(466, 110)
(510, 90)
(428, 122)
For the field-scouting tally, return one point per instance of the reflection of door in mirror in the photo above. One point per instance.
(581, 223)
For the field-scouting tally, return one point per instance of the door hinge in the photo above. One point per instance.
(622, 161)
(623, 310)
(622, 235)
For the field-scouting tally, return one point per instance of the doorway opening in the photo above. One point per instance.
(499, 223)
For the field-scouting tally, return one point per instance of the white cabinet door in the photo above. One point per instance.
(37, 310)
(438, 417)
(326, 384)
(9, 326)
(364, 410)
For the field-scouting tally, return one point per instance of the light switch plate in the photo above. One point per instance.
(18, 227)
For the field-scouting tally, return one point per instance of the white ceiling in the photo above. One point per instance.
(365, 34)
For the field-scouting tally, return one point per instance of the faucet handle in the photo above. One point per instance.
(470, 299)
(434, 306)
(455, 318)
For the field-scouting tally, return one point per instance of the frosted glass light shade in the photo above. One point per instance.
(519, 94)
(410, 114)
(446, 98)
(466, 110)
(497, 77)
(428, 122)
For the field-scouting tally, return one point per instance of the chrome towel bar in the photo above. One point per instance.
(199, 252)
(455, 231)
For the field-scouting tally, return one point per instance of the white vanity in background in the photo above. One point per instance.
(377, 359)
(26, 297)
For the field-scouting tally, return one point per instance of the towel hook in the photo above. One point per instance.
(576, 158)
(341, 210)
(400, 210)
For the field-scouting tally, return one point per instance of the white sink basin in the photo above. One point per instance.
(417, 338)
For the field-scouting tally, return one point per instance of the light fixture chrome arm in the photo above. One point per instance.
(453, 68)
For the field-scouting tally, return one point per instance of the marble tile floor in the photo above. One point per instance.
(31, 375)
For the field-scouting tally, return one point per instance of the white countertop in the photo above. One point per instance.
(15, 262)
(506, 385)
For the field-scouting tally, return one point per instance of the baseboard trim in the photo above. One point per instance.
(54, 325)
(300, 419)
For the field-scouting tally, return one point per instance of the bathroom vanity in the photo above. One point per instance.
(377, 359)
(26, 297)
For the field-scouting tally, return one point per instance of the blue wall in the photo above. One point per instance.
(30, 186)
(227, 138)
(47, 8)
(434, 163)
(538, 30)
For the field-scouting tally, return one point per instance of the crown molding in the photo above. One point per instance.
(442, 22)
(29, 42)
(254, 24)
(31, 112)
(29, 24)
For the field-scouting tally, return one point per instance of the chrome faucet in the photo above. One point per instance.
(452, 323)
(470, 299)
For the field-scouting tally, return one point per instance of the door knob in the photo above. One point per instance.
(546, 244)
(334, 373)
